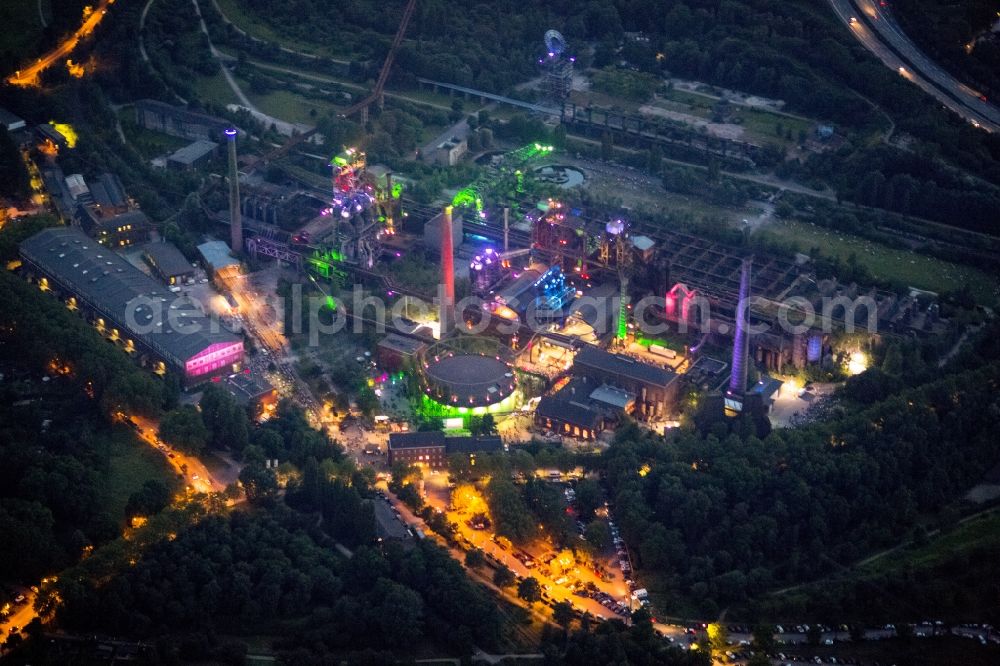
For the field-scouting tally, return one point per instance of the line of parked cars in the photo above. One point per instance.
(590, 591)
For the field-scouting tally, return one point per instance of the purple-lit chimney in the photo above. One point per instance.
(235, 220)
(741, 341)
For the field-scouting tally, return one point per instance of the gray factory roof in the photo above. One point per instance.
(467, 444)
(107, 190)
(216, 254)
(512, 293)
(247, 388)
(402, 344)
(623, 366)
(643, 243)
(134, 217)
(193, 152)
(167, 259)
(415, 440)
(10, 121)
(767, 387)
(183, 115)
(553, 407)
(111, 286)
(610, 395)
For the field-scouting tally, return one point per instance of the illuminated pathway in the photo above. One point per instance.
(29, 76)
(195, 474)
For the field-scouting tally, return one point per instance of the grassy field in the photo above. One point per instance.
(289, 106)
(148, 142)
(215, 90)
(132, 463)
(913, 269)
(982, 532)
(949, 577)
(246, 21)
(440, 101)
(759, 124)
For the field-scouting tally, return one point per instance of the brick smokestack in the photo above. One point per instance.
(741, 340)
(447, 314)
(235, 221)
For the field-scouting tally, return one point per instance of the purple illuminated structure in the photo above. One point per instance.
(235, 221)
(741, 341)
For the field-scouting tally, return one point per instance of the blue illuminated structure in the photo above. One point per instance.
(814, 348)
(551, 290)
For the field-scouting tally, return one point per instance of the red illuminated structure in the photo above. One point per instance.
(686, 297)
(447, 311)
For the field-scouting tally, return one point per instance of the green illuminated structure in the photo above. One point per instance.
(622, 312)
(326, 263)
(468, 197)
(429, 408)
(505, 181)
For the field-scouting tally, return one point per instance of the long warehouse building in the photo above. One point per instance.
(130, 307)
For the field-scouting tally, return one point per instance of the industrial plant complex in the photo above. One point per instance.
(581, 317)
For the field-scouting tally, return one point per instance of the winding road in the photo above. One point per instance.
(283, 127)
(876, 29)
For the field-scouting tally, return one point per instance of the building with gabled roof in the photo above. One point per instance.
(432, 448)
(167, 262)
(129, 307)
(655, 389)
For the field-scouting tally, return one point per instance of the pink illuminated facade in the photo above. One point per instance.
(220, 358)
(687, 297)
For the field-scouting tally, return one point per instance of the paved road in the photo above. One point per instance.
(885, 24)
(29, 75)
(867, 27)
(20, 615)
(282, 126)
(195, 474)
(244, 33)
(318, 78)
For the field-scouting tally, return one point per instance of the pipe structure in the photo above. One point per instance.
(235, 220)
(506, 228)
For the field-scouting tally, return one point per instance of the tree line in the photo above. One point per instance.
(723, 518)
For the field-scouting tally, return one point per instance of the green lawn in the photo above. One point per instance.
(761, 125)
(132, 463)
(887, 263)
(289, 106)
(244, 20)
(148, 142)
(215, 90)
(695, 104)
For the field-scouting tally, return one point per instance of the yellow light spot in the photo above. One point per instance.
(857, 364)
(75, 70)
(67, 131)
